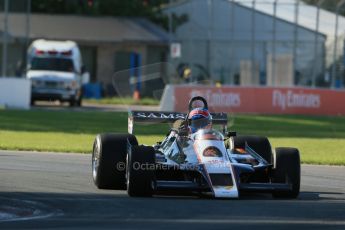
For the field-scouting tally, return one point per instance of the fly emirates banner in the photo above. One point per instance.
(264, 99)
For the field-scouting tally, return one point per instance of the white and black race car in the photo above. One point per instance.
(209, 161)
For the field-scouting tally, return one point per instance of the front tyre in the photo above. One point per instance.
(287, 170)
(140, 171)
(109, 160)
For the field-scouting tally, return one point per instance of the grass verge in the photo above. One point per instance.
(321, 140)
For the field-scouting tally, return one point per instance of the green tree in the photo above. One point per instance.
(329, 5)
(150, 9)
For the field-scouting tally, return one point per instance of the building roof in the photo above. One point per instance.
(85, 28)
(286, 11)
(306, 16)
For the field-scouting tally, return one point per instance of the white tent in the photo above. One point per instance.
(220, 34)
(307, 17)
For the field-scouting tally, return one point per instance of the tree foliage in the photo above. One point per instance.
(150, 9)
(127, 8)
(330, 5)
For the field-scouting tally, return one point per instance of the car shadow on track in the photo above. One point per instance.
(108, 195)
(321, 196)
(92, 210)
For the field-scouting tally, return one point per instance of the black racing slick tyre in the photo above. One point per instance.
(287, 169)
(259, 144)
(109, 160)
(140, 171)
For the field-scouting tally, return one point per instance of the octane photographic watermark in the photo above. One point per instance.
(121, 166)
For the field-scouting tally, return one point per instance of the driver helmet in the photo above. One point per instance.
(199, 118)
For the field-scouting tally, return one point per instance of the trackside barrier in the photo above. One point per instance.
(264, 100)
(15, 93)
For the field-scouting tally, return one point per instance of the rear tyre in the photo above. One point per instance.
(259, 144)
(140, 171)
(109, 160)
(287, 170)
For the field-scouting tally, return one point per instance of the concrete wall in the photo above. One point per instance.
(15, 93)
(106, 63)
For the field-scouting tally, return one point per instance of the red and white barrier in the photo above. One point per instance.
(265, 100)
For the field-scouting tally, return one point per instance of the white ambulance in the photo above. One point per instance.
(56, 71)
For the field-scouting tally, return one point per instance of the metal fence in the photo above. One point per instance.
(226, 37)
(13, 59)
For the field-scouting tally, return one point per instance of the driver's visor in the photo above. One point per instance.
(200, 123)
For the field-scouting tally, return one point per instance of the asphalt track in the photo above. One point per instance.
(55, 191)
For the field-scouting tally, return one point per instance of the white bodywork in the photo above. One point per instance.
(193, 152)
(217, 165)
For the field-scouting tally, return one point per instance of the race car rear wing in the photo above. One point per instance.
(150, 117)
